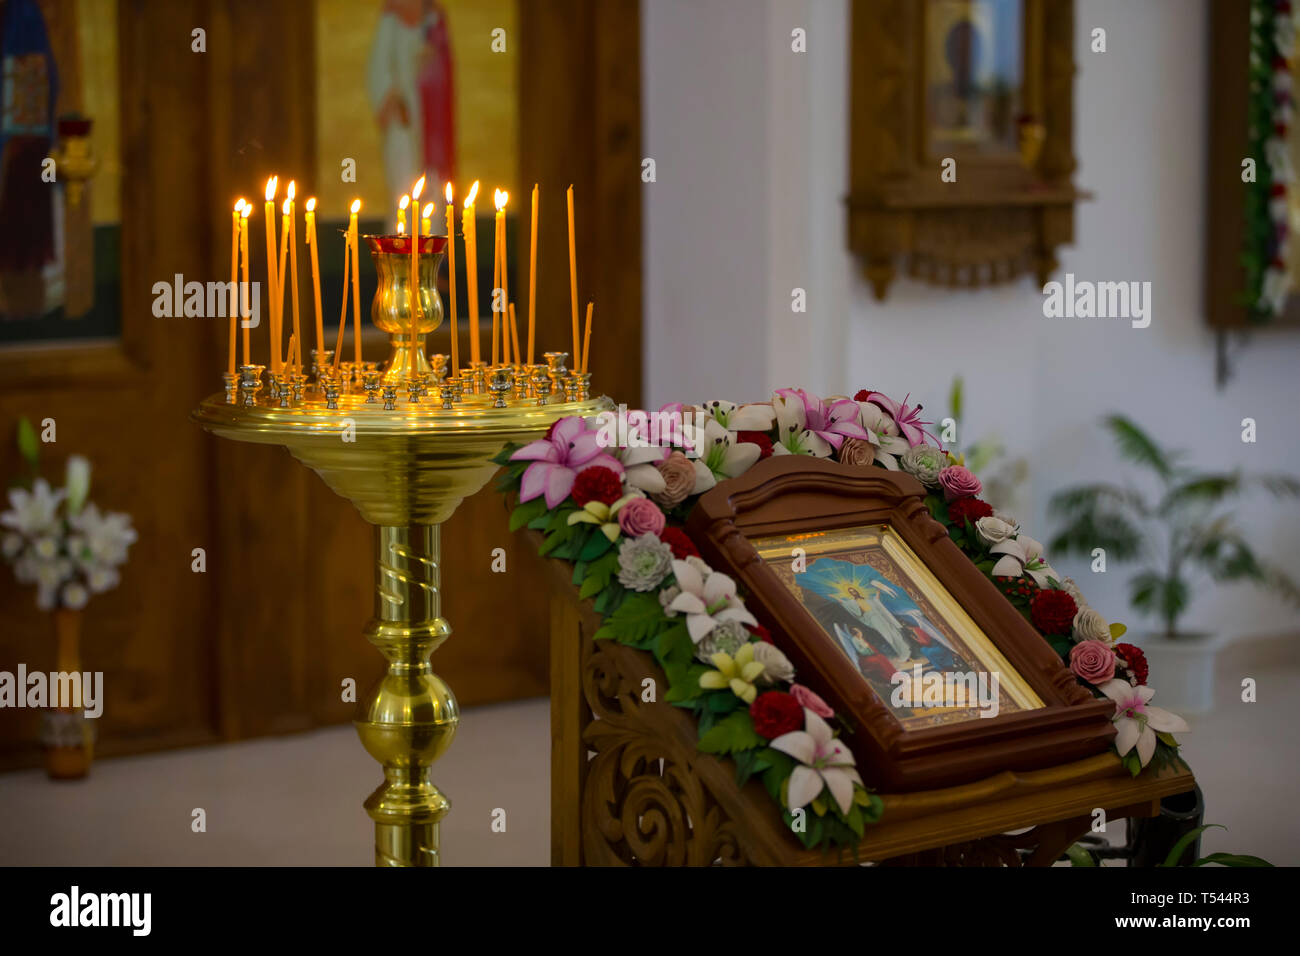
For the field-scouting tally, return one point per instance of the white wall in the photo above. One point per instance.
(750, 141)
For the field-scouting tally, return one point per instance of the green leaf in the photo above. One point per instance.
(1186, 840)
(28, 446)
(526, 512)
(1079, 856)
(637, 619)
(1232, 859)
(1138, 447)
(723, 702)
(554, 540)
(687, 690)
(596, 545)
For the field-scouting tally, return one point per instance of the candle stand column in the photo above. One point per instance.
(410, 717)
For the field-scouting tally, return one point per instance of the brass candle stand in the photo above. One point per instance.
(405, 443)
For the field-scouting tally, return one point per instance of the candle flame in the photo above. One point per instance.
(473, 191)
(419, 188)
(239, 205)
(500, 196)
(284, 206)
(428, 211)
(356, 206)
(448, 192)
(401, 227)
(244, 213)
(311, 204)
(292, 191)
(270, 187)
(404, 202)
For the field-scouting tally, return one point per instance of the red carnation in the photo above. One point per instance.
(1133, 659)
(775, 713)
(597, 483)
(1053, 611)
(760, 439)
(862, 395)
(762, 633)
(683, 547)
(968, 509)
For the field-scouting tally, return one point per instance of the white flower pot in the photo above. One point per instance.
(1182, 670)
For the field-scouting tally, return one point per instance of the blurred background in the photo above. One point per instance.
(760, 204)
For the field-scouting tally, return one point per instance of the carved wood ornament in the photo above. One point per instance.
(922, 102)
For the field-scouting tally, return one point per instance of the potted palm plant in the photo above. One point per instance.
(1179, 537)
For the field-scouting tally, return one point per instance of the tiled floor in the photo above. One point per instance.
(297, 800)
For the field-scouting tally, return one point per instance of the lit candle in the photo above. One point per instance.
(246, 296)
(471, 269)
(401, 214)
(451, 279)
(426, 220)
(279, 284)
(496, 277)
(586, 339)
(356, 282)
(315, 272)
(415, 260)
(501, 198)
(234, 279)
(532, 278)
(401, 228)
(293, 263)
(343, 312)
(270, 260)
(573, 278)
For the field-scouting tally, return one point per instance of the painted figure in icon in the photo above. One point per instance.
(412, 91)
(877, 624)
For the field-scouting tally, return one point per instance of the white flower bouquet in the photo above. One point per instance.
(58, 541)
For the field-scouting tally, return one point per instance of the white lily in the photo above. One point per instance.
(1022, 555)
(606, 516)
(639, 469)
(33, 512)
(1136, 721)
(824, 763)
(793, 435)
(722, 455)
(107, 536)
(707, 599)
(757, 417)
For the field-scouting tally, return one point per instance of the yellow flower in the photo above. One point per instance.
(738, 673)
(599, 513)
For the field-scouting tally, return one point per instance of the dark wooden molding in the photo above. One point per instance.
(794, 494)
(999, 219)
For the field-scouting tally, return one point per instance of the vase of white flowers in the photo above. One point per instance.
(68, 550)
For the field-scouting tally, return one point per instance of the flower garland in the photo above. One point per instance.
(1272, 44)
(615, 510)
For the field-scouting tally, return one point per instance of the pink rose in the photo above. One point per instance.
(640, 516)
(1092, 661)
(959, 482)
(807, 698)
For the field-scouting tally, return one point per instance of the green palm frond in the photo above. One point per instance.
(1098, 529)
(1085, 498)
(1138, 447)
(1213, 489)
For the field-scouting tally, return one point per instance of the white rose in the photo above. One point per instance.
(1091, 626)
(1072, 589)
(993, 530)
(776, 666)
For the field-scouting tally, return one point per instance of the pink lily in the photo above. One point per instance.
(807, 425)
(906, 417)
(824, 762)
(556, 460)
(1136, 721)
